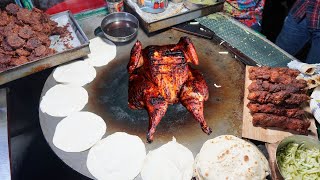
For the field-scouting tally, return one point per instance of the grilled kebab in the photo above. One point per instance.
(283, 122)
(275, 99)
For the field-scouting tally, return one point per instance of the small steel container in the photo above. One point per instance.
(118, 27)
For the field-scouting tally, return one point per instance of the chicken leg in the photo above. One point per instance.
(194, 93)
(157, 108)
(144, 94)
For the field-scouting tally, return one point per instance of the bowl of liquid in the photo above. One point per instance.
(119, 27)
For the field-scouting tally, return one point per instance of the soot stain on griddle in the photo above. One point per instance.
(111, 94)
(222, 110)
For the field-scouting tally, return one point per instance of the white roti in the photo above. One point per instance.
(119, 156)
(171, 161)
(62, 100)
(102, 52)
(79, 131)
(228, 157)
(77, 73)
(314, 103)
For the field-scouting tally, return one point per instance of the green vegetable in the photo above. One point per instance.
(297, 162)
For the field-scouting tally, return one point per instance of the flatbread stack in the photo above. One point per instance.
(76, 73)
(171, 161)
(314, 103)
(119, 156)
(229, 157)
(63, 100)
(79, 131)
(102, 52)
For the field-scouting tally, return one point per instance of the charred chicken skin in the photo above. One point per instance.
(160, 76)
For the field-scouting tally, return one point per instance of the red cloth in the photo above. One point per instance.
(76, 6)
(249, 12)
(309, 9)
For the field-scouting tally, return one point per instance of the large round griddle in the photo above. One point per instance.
(108, 98)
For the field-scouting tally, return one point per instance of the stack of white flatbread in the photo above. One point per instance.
(102, 52)
(69, 96)
(228, 157)
(82, 72)
(77, 73)
(122, 156)
(171, 161)
(118, 156)
(314, 103)
(78, 130)
(63, 100)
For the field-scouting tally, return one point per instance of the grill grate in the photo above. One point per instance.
(250, 43)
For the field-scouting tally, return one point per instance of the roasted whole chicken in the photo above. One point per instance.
(160, 76)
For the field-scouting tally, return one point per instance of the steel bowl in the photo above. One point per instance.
(299, 139)
(119, 27)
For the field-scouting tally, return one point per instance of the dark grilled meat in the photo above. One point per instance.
(281, 97)
(283, 122)
(268, 73)
(160, 76)
(276, 110)
(24, 35)
(276, 97)
(277, 75)
(260, 85)
(12, 9)
(15, 41)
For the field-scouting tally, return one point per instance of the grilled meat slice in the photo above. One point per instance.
(15, 41)
(281, 97)
(12, 8)
(261, 85)
(277, 75)
(267, 73)
(282, 122)
(276, 110)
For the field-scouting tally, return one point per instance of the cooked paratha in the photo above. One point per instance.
(228, 157)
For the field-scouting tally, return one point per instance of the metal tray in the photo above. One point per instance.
(108, 98)
(176, 19)
(52, 60)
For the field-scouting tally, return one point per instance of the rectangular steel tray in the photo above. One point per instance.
(176, 19)
(52, 60)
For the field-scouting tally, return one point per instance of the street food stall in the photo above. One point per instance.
(176, 90)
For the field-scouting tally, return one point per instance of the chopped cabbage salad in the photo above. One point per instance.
(298, 162)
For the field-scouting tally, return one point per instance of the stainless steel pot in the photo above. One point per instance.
(118, 27)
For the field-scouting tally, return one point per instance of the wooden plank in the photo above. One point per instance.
(262, 134)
